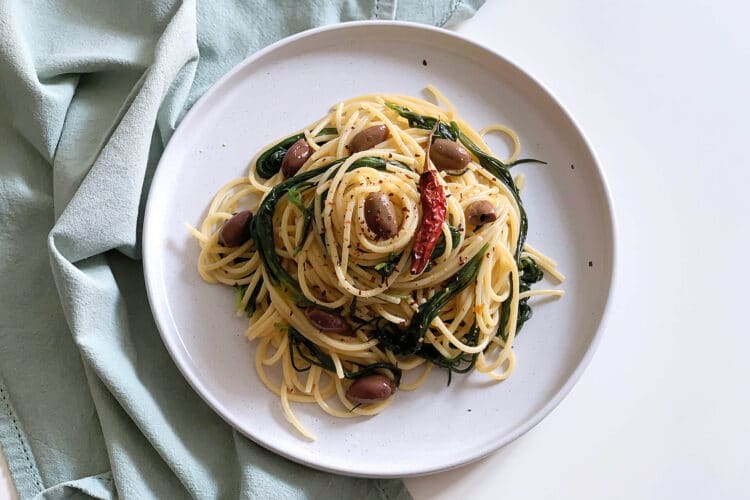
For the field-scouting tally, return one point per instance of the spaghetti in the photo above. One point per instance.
(381, 241)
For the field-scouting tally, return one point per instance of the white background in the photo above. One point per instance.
(662, 89)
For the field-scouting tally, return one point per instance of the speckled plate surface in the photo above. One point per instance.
(294, 82)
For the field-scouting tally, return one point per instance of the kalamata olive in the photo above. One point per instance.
(370, 388)
(480, 211)
(328, 322)
(236, 230)
(380, 215)
(295, 157)
(368, 138)
(448, 155)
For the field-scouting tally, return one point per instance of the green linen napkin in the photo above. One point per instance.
(90, 91)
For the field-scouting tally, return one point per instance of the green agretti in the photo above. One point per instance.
(314, 355)
(252, 300)
(269, 162)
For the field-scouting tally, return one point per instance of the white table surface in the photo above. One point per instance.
(662, 89)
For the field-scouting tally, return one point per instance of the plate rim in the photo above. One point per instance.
(178, 352)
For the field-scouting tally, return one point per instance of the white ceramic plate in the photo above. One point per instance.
(291, 84)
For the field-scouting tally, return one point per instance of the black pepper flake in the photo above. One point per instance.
(591, 264)
(424, 62)
(572, 167)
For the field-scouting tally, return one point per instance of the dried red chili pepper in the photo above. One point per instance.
(432, 199)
